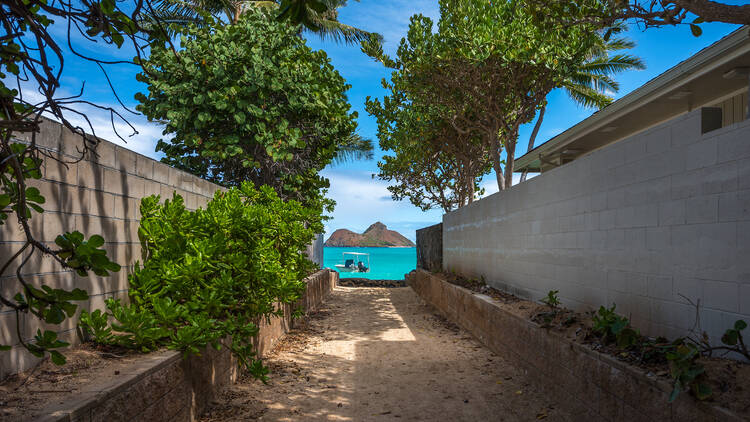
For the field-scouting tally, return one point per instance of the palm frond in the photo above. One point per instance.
(591, 82)
(338, 32)
(613, 64)
(620, 44)
(353, 148)
(588, 97)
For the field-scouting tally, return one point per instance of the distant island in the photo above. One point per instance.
(377, 235)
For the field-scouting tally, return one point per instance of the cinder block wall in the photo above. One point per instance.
(94, 196)
(646, 223)
(430, 247)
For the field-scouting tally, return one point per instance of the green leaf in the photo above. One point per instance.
(696, 30)
(96, 241)
(740, 325)
(57, 357)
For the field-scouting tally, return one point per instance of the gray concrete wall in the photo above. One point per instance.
(640, 223)
(314, 251)
(94, 196)
(430, 248)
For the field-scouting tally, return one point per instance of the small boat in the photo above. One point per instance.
(354, 262)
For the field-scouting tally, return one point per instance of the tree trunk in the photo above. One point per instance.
(510, 155)
(532, 138)
(494, 143)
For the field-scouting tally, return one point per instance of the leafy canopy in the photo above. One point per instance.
(487, 69)
(249, 102)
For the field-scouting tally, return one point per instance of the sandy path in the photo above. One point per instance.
(380, 354)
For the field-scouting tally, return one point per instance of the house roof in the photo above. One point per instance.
(692, 83)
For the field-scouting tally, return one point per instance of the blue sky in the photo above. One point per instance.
(361, 199)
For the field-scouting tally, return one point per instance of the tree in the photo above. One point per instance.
(433, 164)
(648, 13)
(591, 84)
(32, 61)
(488, 68)
(317, 16)
(249, 102)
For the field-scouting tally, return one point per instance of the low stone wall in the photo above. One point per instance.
(165, 387)
(587, 384)
(430, 248)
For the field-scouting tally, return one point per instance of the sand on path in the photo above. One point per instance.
(376, 354)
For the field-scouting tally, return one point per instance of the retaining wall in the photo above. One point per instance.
(430, 248)
(586, 384)
(165, 387)
(639, 223)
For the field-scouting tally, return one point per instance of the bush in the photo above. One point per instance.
(211, 274)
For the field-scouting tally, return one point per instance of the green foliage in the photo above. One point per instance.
(615, 328)
(46, 342)
(249, 102)
(485, 72)
(211, 274)
(552, 300)
(686, 372)
(84, 256)
(94, 326)
(317, 16)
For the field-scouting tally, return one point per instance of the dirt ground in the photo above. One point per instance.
(374, 354)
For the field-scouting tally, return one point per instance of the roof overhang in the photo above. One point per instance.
(693, 83)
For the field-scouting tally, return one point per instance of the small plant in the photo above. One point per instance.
(615, 328)
(94, 326)
(687, 373)
(733, 339)
(552, 300)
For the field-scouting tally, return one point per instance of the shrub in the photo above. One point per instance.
(211, 274)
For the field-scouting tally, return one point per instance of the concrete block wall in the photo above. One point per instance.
(648, 223)
(98, 195)
(430, 248)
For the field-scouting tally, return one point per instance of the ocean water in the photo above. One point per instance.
(385, 263)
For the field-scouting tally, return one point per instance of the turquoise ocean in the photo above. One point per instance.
(385, 263)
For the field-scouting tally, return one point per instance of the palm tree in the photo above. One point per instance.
(591, 84)
(353, 148)
(317, 16)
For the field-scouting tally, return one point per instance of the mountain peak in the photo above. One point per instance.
(377, 235)
(376, 226)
